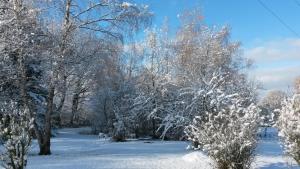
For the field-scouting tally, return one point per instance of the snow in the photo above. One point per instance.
(73, 151)
(270, 153)
(126, 4)
(70, 150)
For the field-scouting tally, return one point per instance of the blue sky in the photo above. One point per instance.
(249, 21)
(275, 49)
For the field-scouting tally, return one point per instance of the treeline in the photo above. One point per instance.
(163, 81)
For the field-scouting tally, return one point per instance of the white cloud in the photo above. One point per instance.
(277, 78)
(285, 49)
(277, 62)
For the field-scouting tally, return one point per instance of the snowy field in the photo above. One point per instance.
(71, 150)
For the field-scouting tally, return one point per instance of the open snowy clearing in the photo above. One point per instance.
(71, 150)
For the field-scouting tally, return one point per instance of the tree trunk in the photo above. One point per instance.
(62, 101)
(45, 146)
(75, 102)
(153, 128)
(104, 111)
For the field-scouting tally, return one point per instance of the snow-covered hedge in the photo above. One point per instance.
(289, 126)
(15, 128)
(228, 136)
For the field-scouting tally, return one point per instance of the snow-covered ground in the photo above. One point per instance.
(71, 150)
(270, 154)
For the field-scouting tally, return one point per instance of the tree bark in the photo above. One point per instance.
(75, 102)
(62, 101)
(45, 146)
(153, 128)
(104, 111)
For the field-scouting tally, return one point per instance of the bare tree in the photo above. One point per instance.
(270, 103)
(297, 85)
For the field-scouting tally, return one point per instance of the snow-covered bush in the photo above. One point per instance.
(119, 132)
(15, 126)
(227, 135)
(289, 126)
(192, 101)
